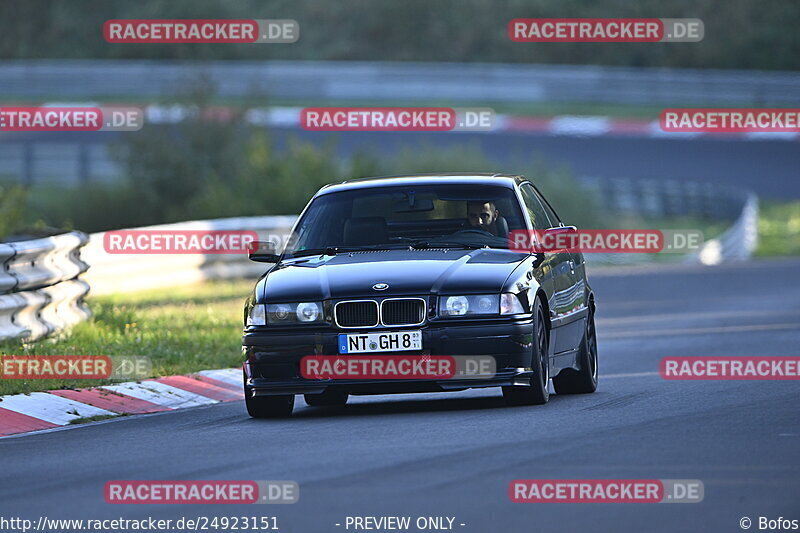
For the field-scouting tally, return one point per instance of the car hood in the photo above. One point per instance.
(406, 272)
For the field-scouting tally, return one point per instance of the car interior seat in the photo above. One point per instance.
(365, 231)
(502, 227)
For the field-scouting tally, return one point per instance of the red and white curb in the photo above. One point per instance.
(588, 126)
(22, 413)
(564, 125)
(556, 126)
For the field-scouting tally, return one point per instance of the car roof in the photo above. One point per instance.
(503, 180)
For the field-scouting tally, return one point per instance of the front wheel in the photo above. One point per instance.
(280, 406)
(582, 381)
(537, 393)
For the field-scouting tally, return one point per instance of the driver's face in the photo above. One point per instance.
(481, 216)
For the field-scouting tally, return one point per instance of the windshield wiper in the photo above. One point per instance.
(422, 245)
(333, 250)
(416, 245)
(315, 251)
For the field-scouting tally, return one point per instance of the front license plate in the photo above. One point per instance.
(388, 341)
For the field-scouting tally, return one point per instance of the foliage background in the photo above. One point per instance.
(745, 34)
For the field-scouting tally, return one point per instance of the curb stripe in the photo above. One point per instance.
(161, 394)
(202, 388)
(50, 408)
(22, 413)
(236, 389)
(561, 125)
(12, 422)
(513, 123)
(631, 126)
(228, 375)
(112, 401)
(558, 125)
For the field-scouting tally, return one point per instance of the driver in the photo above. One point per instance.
(483, 216)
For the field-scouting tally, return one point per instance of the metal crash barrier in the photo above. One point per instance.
(40, 293)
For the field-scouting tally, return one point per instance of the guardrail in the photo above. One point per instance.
(40, 293)
(365, 81)
(111, 273)
(667, 199)
(737, 243)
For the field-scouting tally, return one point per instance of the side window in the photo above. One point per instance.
(554, 220)
(536, 211)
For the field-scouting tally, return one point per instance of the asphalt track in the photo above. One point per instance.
(454, 454)
(769, 167)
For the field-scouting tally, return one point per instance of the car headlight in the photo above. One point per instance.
(308, 312)
(481, 304)
(289, 314)
(510, 304)
(257, 316)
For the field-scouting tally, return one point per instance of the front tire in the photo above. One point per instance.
(582, 381)
(537, 393)
(280, 406)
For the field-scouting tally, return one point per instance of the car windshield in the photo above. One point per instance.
(416, 216)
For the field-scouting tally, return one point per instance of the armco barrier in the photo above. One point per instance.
(44, 262)
(667, 199)
(110, 273)
(737, 243)
(360, 81)
(39, 290)
(7, 281)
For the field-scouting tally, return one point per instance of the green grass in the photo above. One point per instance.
(778, 229)
(182, 330)
(710, 228)
(95, 418)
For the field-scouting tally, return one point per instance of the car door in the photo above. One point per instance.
(567, 296)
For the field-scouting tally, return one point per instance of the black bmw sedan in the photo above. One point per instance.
(412, 284)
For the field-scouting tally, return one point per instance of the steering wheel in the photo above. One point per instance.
(473, 231)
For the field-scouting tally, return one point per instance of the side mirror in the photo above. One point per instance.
(556, 239)
(264, 252)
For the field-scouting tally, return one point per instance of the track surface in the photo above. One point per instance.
(454, 454)
(771, 168)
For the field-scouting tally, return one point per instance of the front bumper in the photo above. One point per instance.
(272, 358)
